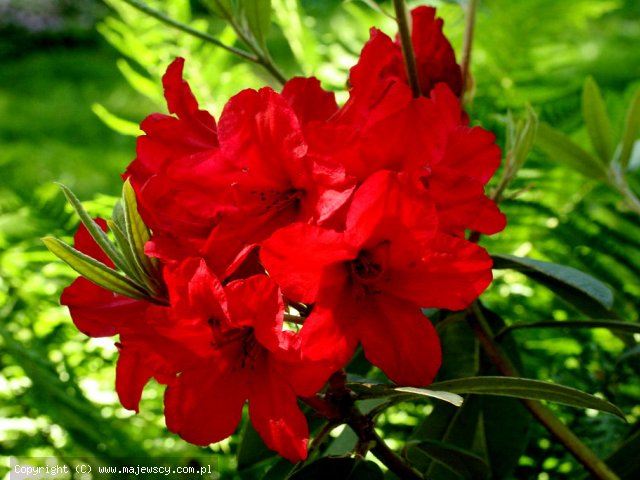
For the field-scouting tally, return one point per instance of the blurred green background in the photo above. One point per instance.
(76, 77)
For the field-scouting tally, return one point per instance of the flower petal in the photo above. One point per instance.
(400, 340)
(204, 405)
(276, 416)
(300, 257)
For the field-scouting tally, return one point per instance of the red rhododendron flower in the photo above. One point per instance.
(249, 357)
(369, 282)
(353, 216)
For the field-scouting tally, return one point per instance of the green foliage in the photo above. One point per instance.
(57, 390)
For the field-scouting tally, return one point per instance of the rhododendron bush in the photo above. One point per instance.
(300, 256)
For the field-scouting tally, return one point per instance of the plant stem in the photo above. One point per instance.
(364, 428)
(256, 58)
(545, 416)
(468, 43)
(404, 30)
(619, 182)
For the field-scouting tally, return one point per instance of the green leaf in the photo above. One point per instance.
(96, 232)
(460, 461)
(456, 426)
(597, 120)
(367, 390)
(631, 131)
(527, 388)
(93, 270)
(125, 248)
(579, 289)
(257, 14)
(625, 460)
(343, 468)
(252, 449)
(137, 232)
(560, 148)
(614, 325)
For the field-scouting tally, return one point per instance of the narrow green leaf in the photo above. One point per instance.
(614, 325)
(93, 270)
(460, 461)
(137, 232)
(125, 248)
(453, 399)
(560, 148)
(257, 15)
(95, 231)
(528, 389)
(631, 131)
(597, 120)
(581, 290)
(367, 390)
(526, 137)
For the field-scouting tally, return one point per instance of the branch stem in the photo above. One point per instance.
(469, 28)
(404, 30)
(256, 57)
(545, 416)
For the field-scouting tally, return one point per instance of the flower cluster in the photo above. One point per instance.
(290, 209)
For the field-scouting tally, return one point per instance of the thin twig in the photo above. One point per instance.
(256, 57)
(545, 416)
(158, 15)
(404, 30)
(468, 43)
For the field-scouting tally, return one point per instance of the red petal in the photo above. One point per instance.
(309, 100)
(451, 273)
(462, 204)
(181, 102)
(205, 405)
(401, 341)
(300, 257)
(276, 416)
(195, 292)
(132, 374)
(97, 312)
(435, 58)
(256, 302)
(382, 204)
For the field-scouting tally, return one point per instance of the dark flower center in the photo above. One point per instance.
(370, 266)
(278, 200)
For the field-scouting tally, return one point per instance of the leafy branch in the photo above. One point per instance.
(257, 55)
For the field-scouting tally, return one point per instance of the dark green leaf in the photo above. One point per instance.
(343, 468)
(252, 449)
(619, 326)
(456, 426)
(560, 148)
(597, 120)
(581, 290)
(93, 270)
(528, 389)
(343, 444)
(631, 130)
(459, 460)
(625, 460)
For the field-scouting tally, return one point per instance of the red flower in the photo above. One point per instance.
(381, 67)
(370, 282)
(247, 356)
